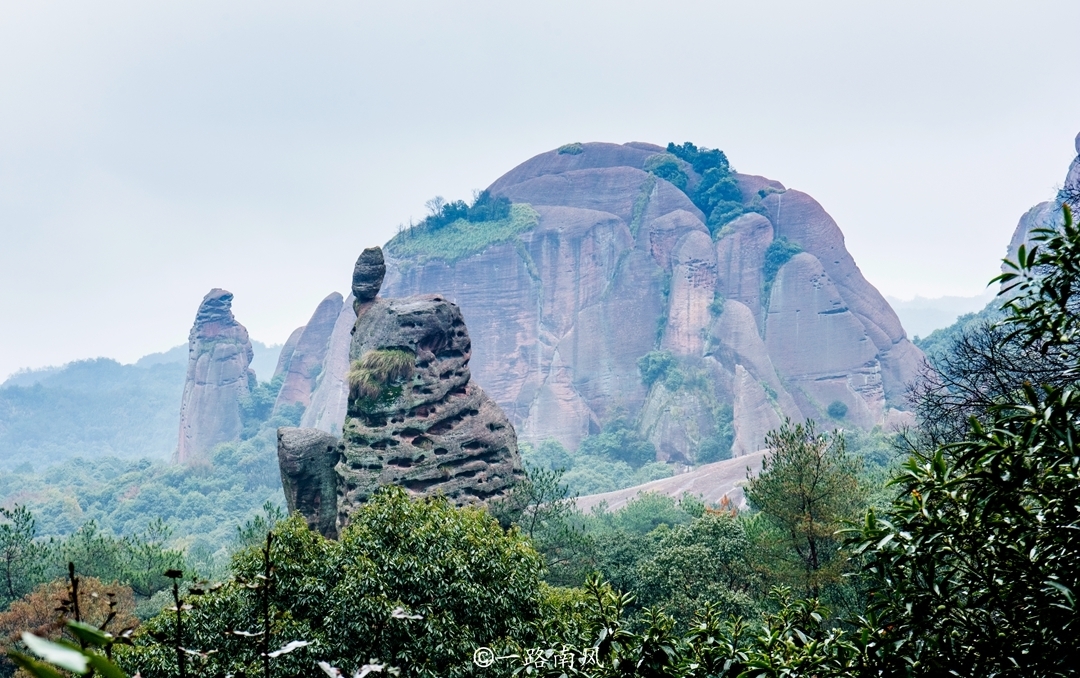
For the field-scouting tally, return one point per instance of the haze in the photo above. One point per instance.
(151, 151)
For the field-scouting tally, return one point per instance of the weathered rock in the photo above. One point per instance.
(309, 352)
(618, 267)
(820, 346)
(308, 458)
(368, 275)
(415, 417)
(330, 400)
(218, 376)
(432, 431)
(285, 357)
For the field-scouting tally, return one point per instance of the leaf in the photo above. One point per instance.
(1064, 590)
(105, 667)
(33, 666)
(289, 647)
(54, 653)
(90, 634)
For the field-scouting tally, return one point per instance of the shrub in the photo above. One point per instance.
(666, 166)
(655, 365)
(837, 409)
(571, 149)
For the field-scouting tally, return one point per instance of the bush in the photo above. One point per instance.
(666, 166)
(655, 365)
(571, 149)
(837, 410)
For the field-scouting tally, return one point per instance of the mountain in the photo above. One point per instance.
(631, 282)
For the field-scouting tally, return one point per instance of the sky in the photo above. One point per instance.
(152, 151)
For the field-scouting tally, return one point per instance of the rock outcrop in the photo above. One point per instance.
(621, 263)
(218, 376)
(304, 364)
(415, 418)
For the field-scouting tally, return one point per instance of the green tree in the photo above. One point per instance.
(976, 564)
(808, 487)
(417, 584)
(21, 559)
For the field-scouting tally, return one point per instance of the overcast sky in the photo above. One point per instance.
(152, 150)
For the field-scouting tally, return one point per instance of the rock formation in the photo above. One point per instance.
(305, 360)
(415, 417)
(218, 376)
(621, 263)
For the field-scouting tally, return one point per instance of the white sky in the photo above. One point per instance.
(152, 150)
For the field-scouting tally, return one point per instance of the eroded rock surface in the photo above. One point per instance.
(309, 351)
(621, 263)
(415, 418)
(218, 376)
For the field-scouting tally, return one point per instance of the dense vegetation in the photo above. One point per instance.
(716, 194)
(456, 229)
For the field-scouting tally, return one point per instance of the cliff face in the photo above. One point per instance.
(218, 376)
(1048, 214)
(621, 263)
(415, 417)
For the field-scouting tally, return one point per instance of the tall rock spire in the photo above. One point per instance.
(218, 376)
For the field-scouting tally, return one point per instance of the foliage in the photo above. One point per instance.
(106, 409)
(101, 605)
(779, 252)
(808, 486)
(717, 446)
(203, 507)
(976, 562)
(666, 166)
(705, 561)
(939, 342)
(619, 441)
(655, 365)
(419, 584)
(837, 410)
(571, 149)
(462, 236)
(257, 407)
(717, 194)
(376, 370)
(590, 469)
(21, 558)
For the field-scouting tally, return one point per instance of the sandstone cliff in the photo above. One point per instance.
(415, 417)
(622, 262)
(218, 376)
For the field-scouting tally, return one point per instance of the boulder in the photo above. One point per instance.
(368, 275)
(308, 458)
(218, 377)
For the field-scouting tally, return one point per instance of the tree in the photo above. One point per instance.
(418, 584)
(976, 564)
(807, 488)
(37, 611)
(21, 559)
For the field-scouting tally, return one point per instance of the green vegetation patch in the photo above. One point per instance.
(372, 377)
(779, 252)
(571, 149)
(461, 238)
